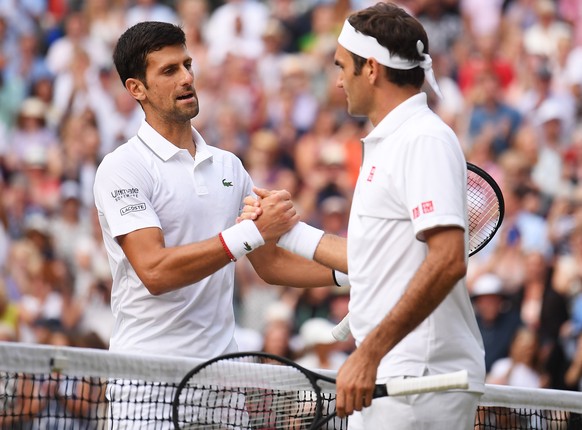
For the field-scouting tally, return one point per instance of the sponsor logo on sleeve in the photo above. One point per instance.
(427, 207)
(132, 208)
(124, 193)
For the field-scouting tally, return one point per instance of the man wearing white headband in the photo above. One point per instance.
(410, 311)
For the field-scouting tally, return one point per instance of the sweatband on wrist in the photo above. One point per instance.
(340, 278)
(302, 239)
(240, 239)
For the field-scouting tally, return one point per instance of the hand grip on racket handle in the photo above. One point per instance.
(448, 381)
(342, 330)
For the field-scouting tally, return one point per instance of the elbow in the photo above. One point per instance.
(460, 270)
(153, 282)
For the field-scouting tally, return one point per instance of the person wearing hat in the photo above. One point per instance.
(498, 318)
(320, 347)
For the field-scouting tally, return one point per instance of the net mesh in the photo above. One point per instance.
(44, 387)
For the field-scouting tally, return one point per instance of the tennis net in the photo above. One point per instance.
(46, 387)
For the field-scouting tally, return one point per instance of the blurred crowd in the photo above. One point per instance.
(511, 75)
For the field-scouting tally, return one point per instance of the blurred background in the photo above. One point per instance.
(511, 74)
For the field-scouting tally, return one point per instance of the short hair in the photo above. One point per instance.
(138, 41)
(398, 32)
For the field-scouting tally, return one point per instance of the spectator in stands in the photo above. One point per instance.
(491, 119)
(61, 52)
(149, 10)
(541, 39)
(522, 368)
(320, 348)
(497, 316)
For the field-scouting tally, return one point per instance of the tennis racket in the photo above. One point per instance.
(255, 390)
(485, 207)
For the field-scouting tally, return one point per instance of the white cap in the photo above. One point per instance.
(316, 331)
(487, 284)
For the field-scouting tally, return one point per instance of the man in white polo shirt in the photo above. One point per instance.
(406, 247)
(167, 205)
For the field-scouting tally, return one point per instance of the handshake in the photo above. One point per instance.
(275, 219)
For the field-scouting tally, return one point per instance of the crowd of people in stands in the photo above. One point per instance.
(511, 75)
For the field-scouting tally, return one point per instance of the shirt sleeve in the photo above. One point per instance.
(436, 184)
(123, 193)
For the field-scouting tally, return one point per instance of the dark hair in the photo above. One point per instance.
(134, 45)
(397, 31)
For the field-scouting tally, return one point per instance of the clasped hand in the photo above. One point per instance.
(272, 211)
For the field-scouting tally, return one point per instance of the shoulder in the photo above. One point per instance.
(128, 157)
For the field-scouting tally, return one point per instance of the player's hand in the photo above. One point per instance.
(355, 383)
(252, 209)
(278, 214)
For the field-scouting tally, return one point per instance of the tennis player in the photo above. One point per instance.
(167, 205)
(407, 235)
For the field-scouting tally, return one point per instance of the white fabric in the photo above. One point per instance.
(412, 179)
(302, 239)
(341, 278)
(242, 238)
(445, 410)
(368, 47)
(148, 182)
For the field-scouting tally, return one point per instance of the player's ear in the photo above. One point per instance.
(372, 69)
(136, 88)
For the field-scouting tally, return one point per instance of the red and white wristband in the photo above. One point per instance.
(240, 239)
(302, 239)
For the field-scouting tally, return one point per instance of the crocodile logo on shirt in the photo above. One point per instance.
(247, 247)
(226, 183)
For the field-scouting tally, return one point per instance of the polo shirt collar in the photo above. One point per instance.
(395, 118)
(165, 149)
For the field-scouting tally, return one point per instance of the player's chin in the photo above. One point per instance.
(187, 112)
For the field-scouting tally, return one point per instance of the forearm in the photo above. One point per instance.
(433, 281)
(278, 266)
(332, 251)
(167, 269)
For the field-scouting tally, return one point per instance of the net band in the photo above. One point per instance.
(77, 388)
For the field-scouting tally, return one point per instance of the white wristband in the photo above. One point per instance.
(302, 239)
(340, 278)
(241, 238)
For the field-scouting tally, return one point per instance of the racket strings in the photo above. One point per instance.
(248, 397)
(483, 209)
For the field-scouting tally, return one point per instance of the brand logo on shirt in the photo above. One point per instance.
(132, 208)
(247, 247)
(371, 174)
(226, 183)
(415, 213)
(427, 207)
(123, 193)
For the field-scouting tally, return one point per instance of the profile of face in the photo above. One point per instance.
(350, 82)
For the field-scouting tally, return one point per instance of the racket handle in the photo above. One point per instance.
(342, 330)
(425, 384)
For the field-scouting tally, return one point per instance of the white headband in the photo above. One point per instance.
(368, 47)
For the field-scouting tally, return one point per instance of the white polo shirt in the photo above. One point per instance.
(149, 182)
(413, 178)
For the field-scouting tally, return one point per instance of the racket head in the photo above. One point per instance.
(232, 391)
(485, 207)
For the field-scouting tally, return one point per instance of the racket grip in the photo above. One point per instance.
(425, 384)
(342, 330)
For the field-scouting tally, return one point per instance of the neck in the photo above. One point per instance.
(177, 134)
(387, 101)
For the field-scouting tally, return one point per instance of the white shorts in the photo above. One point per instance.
(444, 410)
